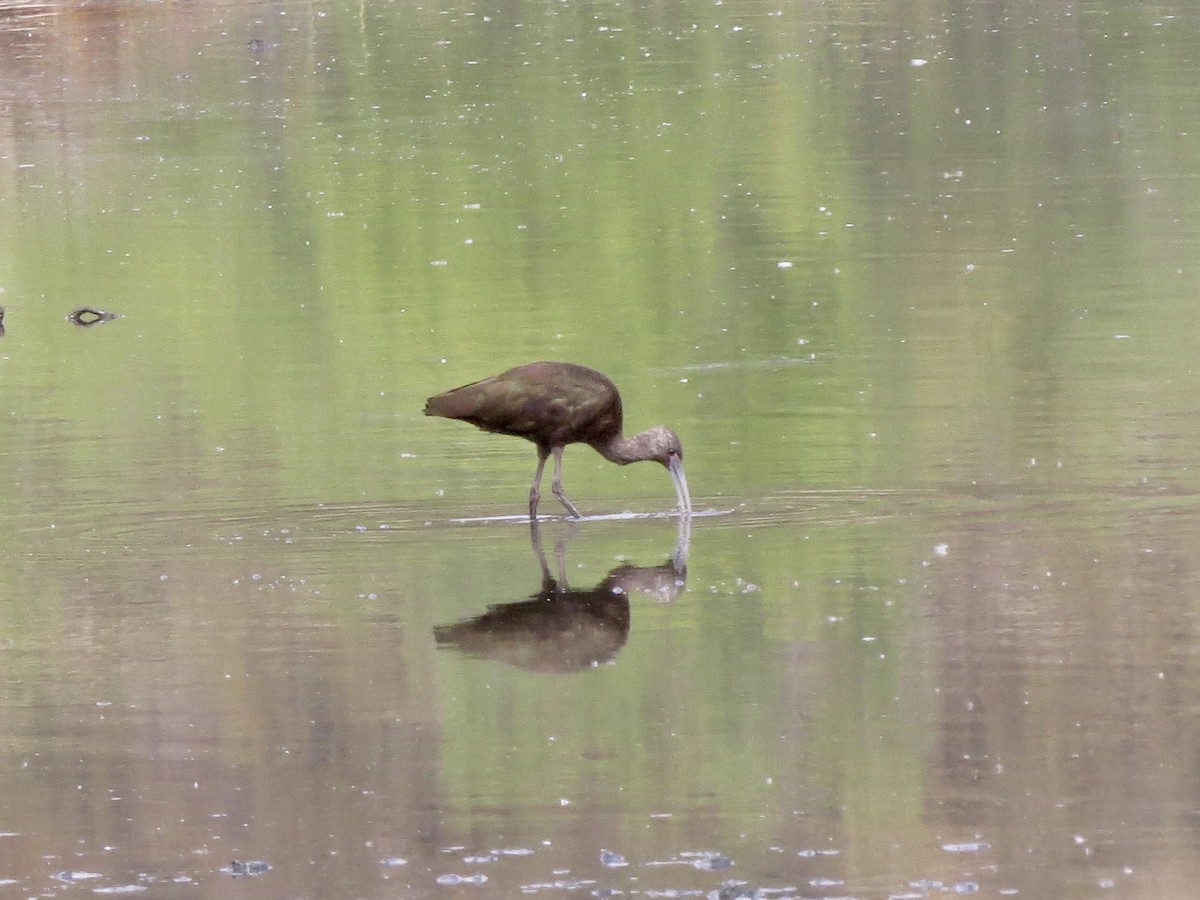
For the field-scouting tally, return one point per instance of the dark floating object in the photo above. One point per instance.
(710, 861)
(736, 890)
(611, 860)
(256, 45)
(1, 321)
(554, 404)
(238, 868)
(87, 316)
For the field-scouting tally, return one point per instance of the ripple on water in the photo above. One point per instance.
(561, 885)
(966, 847)
(70, 876)
(451, 878)
(626, 516)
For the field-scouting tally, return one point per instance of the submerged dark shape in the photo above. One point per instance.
(87, 316)
(554, 404)
(559, 629)
(1, 321)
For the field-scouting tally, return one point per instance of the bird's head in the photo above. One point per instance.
(663, 446)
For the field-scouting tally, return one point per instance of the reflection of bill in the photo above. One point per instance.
(559, 629)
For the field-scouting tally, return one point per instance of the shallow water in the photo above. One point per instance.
(917, 295)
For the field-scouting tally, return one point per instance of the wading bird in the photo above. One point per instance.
(554, 404)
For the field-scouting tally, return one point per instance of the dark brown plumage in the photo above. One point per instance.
(554, 404)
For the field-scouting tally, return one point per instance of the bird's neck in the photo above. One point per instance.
(625, 450)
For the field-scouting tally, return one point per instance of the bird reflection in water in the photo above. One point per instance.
(560, 629)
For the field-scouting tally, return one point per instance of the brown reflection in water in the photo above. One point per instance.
(559, 629)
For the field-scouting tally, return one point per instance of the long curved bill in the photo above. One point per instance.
(675, 467)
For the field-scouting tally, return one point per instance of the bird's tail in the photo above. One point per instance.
(450, 405)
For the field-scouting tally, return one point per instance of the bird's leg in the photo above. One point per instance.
(556, 484)
(535, 537)
(560, 556)
(542, 453)
(560, 559)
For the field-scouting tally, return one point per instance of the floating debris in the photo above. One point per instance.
(704, 860)
(612, 860)
(711, 862)
(238, 868)
(256, 45)
(736, 890)
(87, 316)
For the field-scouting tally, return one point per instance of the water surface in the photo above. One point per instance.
(916, 293)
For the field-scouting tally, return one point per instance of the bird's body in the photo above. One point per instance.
(544, 402)
(554, 404)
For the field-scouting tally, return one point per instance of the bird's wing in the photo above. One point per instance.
(548, 403)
